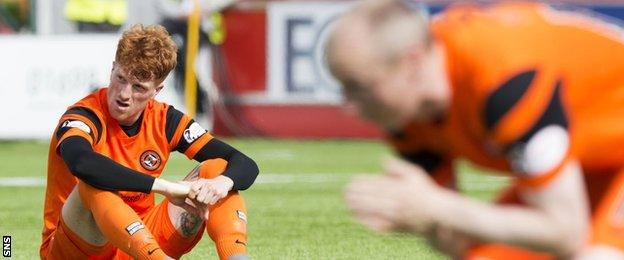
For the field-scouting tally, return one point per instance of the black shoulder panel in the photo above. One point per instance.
(173, 120)
(505, 97)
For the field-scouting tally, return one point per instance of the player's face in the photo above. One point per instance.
(378, 92)
(127, 97)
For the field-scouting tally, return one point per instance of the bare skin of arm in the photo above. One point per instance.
(555, 220)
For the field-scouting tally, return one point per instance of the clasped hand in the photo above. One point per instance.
(196, 196)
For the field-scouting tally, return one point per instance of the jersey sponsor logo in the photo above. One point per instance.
(133, 198)
(150, 160)
(193, 132)
(134, 227)
(76, 124)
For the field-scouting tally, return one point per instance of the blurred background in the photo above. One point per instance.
(260, 82)
(260, 65)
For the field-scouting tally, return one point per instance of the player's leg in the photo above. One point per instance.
(226, 225)
(77, 235)
(174, 240)
(176, 230)
(97, 216)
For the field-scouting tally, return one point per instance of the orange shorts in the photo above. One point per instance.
(606, 195)
(65, 244)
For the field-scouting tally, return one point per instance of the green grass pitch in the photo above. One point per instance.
(295, 208)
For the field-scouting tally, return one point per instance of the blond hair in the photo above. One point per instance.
(146, 53)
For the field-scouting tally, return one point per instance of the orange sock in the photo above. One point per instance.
(227, 225)
(119, 223)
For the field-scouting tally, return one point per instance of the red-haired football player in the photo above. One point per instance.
(108, 152)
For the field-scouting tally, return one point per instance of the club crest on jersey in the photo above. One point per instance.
(193, 132)
(150, 160)
(76, 124)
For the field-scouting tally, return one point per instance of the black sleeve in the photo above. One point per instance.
(240, 168)
(99, 171)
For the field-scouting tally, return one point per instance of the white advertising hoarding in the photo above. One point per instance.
(297, 33)
(42, 75)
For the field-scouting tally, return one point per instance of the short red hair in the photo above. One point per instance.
(146, 53)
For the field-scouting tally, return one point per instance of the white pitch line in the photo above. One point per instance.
(273, 178)
(22, 182)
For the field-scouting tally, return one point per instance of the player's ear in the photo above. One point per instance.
(113, 67)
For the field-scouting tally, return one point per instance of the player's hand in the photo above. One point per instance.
(210, 191)
(190, 205)
(403, 199)
(177, 194)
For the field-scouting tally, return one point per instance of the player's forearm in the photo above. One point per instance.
(513, 225)
(168, 188)
(99, 171)
(241, 169)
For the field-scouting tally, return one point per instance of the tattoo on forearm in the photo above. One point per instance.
(189, 224)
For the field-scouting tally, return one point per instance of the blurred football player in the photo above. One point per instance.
(519, 87)
(108, 152)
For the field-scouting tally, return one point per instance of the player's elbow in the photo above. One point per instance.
(252, 173)
(80, 167)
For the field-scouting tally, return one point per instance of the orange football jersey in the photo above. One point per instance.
(532, 86)
(146, 152)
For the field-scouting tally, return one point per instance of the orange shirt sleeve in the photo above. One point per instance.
(189, 137)
(79, 121)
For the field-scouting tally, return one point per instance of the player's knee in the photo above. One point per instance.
(86, 193)
(80, 220)
(212, 168)
(207, 169)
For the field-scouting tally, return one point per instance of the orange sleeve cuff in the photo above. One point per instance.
(197, 145)
(74, 132)
(542, 179)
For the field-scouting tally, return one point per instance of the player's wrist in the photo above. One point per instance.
(159, 186)
(168, 188)
(227, 181)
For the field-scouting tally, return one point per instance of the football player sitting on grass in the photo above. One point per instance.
(106, 157)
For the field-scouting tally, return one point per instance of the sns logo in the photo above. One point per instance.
(6, 246)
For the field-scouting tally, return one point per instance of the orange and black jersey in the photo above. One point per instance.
(532, 88)
(90, 145)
